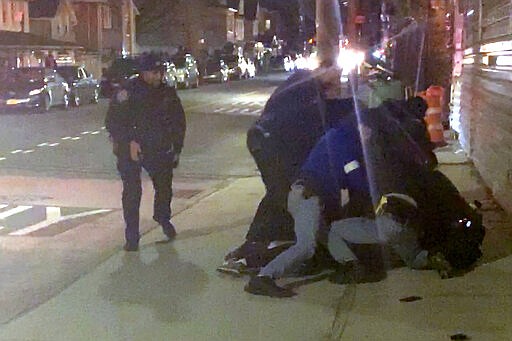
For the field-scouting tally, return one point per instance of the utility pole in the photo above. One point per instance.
(328, 31)
(351, 21)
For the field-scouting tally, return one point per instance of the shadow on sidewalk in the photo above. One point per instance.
(157, 280)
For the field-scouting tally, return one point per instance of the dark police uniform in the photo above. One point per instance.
(294, 118)
(154, 118)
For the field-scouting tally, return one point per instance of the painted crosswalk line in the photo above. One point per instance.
(38, 220)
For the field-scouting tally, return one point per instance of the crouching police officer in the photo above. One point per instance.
(147, 126)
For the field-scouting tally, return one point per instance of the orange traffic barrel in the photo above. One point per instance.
(434, 98)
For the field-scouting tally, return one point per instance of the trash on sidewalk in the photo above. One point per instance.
(411, 298)
(459, 336)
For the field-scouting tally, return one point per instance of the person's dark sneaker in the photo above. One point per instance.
(246, 249)
(169, 230)
(266, 286)
(236, 267)
(130, 247)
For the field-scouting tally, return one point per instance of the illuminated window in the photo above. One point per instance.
(267, 24)
(504, 60)
(18, 16)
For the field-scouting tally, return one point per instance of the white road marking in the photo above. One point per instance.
(66, 138)
(76, 138)
(44, 144)
(95, 132)
(85, 132)
(3, 158)
(16, 151)
(3, 206)
(54, 144)
(28, 151)
(13, 211)
(53, 215)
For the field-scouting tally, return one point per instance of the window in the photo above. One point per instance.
(106, 17)
(267, 24)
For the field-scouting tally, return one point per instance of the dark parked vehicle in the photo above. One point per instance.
(279, 63)
(215, 70)
(119, 72)
(84, 87)
(38, 87)
(187, 74)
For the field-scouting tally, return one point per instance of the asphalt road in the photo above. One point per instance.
(74, 143)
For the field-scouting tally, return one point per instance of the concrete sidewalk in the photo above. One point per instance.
(172, 291)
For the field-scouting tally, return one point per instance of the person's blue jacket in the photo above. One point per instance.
(336, 163)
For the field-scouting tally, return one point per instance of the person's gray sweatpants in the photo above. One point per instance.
(382, 230)
(306, 214)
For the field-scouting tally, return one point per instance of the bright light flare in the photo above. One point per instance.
(301, 63)
(504, 61)
(378, 54)
(312, 62)
(349, 60)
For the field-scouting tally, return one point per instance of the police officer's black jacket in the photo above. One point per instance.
(297, 115)
(153, 117)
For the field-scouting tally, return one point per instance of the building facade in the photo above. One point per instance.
(481, 97)
(14, 16)
(201, 26)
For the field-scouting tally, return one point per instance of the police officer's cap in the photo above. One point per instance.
(149, 62)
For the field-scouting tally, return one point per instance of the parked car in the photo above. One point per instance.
(236, 66)
(250, 69)
(84, 87)
(170, 74)
(119, 72)
(280, 63)
(215, 70)
(34, 87)
(187, 74)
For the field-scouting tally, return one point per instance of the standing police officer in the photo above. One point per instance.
(147, 126)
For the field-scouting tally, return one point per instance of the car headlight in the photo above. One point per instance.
(34, 92)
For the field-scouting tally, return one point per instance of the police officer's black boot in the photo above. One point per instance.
(370, 266)
(169, 230)
(131, 247)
